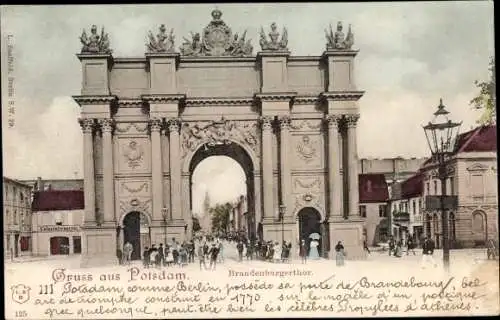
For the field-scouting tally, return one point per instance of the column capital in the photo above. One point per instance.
(155, 124)
(107, 125)
(351, 120)
(333, 120)
(285, 122)
(174, 124)
(266, 122)
(87, 124)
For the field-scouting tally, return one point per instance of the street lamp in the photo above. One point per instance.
(164, 213)
(282, 218)
(441, 135)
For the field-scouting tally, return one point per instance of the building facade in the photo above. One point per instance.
(54, 184)
(394, 169)
(373, 199)
(17, 218)
(290, 121)
(473, 178)
(406, 209)
(57, 220)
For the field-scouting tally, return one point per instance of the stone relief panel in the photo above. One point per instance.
(133, 195)
(223, 131)
(133, 155)
(306, 125)
(134, 188)
(307, 151)
(308, 191)
(131, 128)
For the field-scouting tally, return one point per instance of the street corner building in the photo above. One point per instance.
(16, 218)
(289, 121)
(472, 184)
(57, 217)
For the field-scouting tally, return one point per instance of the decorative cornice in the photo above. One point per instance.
(163, 98)
(278, 96)
(306, 100)
(107, 56)
(130, 103)
(219, 101)
(343, 53)
(343, 95)
(86, 100)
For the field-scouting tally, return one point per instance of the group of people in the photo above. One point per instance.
(264, 250)
(396, 247)
(172, 254)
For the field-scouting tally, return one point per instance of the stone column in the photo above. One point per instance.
(88, 170)
(334, 166)
(285, 172)
(108, 171)
(267, 166)
(156, 168)
(353, 165)
(175, 170)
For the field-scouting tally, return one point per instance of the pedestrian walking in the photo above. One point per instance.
(145, 257)
(410, 246)
(339, 254)
(277, 252)
(427, 252)
(392, 245)
(201, 258)
(127, 250)
(213, 252)
(169, 259)
(161, 256)
(398, 251)
(303, 251)
(153, 253)
(221, 252)
(239, 247)
(175, 251)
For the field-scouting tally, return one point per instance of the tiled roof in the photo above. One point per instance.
(373, 188)
(481, 139)
(412, 187)
(52, 200)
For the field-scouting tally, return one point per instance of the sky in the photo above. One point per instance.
(411, 55)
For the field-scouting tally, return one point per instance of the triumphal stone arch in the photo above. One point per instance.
(289, 121)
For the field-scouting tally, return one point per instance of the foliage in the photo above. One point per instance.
(196, 225)
(486, 99)
(220, 216)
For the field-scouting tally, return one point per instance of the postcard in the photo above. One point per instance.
(249, 160)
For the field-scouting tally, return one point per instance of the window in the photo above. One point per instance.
(414, 204)
(25, 243)
(435, 188)
(476, 185)
(400, 207)
(382, 210)
(428, 187)
(362, 211)
(58, 218)
(15, 217)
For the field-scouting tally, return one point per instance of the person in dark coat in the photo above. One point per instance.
(239, 247)
(427, 252)
(392, 245)
(160, 258)
(119, 255)
(145, 257)
(410, 246)
(213, 252)
(303, 251)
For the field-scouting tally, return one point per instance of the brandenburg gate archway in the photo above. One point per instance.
(290, 121)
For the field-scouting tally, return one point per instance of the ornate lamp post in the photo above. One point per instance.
(164, 213)
(282, 219)
(441, 135)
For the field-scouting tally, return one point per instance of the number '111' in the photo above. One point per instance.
(46, 289)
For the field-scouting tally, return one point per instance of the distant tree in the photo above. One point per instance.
(220, 217)
(486, 98)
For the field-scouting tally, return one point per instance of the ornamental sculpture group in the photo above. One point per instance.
(217, 39)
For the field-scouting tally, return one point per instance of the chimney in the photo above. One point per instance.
(39, 184)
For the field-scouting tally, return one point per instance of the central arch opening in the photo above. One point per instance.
(310, 228)
(221, 176)
(136, 232)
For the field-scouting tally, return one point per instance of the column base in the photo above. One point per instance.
(98, 246)
(351, 234)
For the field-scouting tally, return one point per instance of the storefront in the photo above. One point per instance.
(57, 240)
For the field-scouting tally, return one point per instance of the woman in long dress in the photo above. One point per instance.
(313, 250)
(277, 252)
(339, 257)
